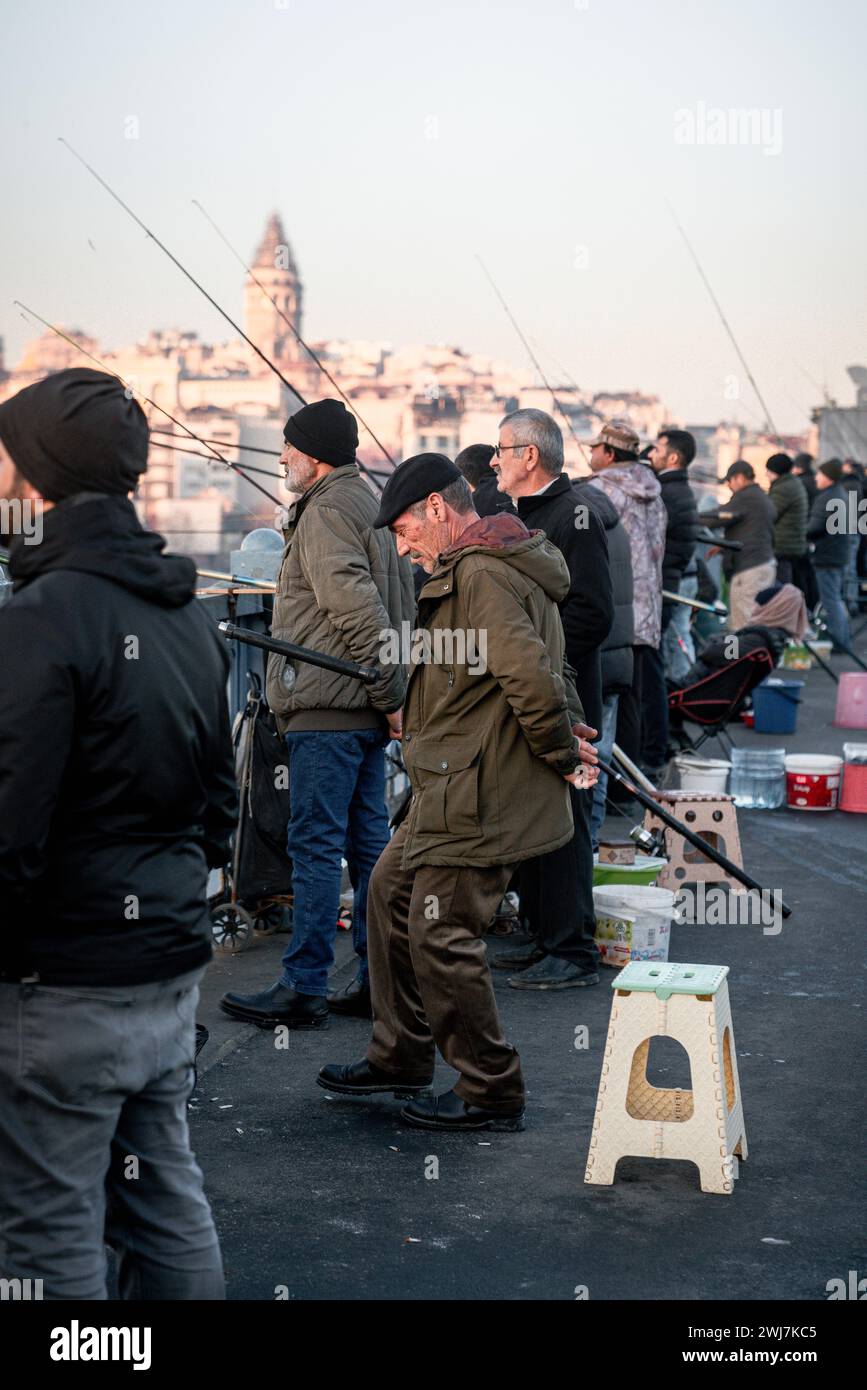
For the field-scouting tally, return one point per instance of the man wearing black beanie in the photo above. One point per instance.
(117, 793)
(342, 591)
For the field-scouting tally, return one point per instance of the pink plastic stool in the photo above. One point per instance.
(852, 701)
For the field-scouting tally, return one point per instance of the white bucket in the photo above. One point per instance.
(632, 923)
(702, 774)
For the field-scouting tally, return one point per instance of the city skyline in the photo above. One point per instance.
(395, 154)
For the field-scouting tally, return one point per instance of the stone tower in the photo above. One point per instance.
(275, 268)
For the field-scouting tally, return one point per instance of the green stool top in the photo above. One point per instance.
(663, 980)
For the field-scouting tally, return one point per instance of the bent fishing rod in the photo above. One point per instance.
(236, 467)
(193, 281)
(296, 335)
(726, 325)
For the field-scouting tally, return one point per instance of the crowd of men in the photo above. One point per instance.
(117, 788)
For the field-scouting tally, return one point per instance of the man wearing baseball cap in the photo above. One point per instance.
(748, 517)
(634, 489)
(490, 752)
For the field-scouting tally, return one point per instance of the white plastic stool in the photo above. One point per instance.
(691, 1004)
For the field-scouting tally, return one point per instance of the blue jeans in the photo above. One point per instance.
(337, 794)
(604, 745)
(829, 579)
(679, 658)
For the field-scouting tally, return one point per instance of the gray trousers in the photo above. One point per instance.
(94, 1145)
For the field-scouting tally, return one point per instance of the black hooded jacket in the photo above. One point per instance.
(117, 787)
(681, 532)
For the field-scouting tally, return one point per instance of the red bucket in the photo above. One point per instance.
(854, 794)
(812, 782)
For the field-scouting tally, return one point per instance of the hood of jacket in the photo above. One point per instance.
(598, 500)
(636, 480)
(507, 537)
(94, 533)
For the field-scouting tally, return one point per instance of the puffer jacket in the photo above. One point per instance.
(341, 590)
(789, 500)
(487, 743)
(616, 655)
(635, 492)
(681, 532)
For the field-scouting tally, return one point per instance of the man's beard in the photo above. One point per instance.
(298, 477)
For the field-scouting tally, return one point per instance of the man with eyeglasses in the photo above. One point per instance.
(556, 888)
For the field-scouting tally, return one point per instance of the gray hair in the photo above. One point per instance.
(535, 427)
(458, 495)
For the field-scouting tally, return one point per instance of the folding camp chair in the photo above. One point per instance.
(717, 698)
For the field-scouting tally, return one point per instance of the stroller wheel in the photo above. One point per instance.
(232, 928)
(269, 918)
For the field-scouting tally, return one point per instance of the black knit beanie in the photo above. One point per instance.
(325, 431)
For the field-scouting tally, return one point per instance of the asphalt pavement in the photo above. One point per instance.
(323, 1197)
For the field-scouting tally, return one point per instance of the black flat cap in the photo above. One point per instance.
(412, 481)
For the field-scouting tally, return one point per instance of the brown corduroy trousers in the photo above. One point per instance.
(429, 977)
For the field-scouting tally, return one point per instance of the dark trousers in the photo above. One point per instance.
(653, 699)
(799, 572)
(557, 892)
(429, 978)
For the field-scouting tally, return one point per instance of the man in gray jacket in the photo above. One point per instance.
(342, 590)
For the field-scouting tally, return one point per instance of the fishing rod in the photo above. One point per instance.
(237, 579)
(209, 458)
(190, 434)
(366, 674)
(709, 851)
(294, 331)
(193, 281)
(726, 325)
(533, 358)
(173, 258)
(239, 448)
(718, 608)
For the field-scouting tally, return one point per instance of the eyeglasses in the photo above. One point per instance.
(500, 447)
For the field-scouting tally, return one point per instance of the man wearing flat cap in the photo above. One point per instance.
(490, 752)
(341, 585)
(117, 792)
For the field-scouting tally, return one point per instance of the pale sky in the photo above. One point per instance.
(399, 137)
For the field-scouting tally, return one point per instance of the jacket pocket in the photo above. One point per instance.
(447, 776)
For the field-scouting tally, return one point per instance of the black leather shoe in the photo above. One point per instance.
(279, 1004)
(448, 1111)
(553, 972)
(364, 1079)
(354, 1000)
(516, 957)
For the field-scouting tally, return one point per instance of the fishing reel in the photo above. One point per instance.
(649, 842)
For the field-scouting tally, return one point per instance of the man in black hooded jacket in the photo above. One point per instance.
(117, 793)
